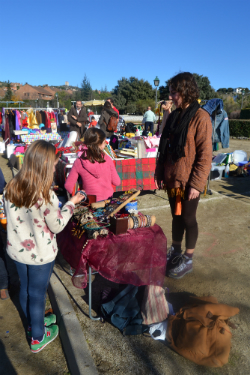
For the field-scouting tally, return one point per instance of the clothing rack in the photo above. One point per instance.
(35, 109)
(213, 115)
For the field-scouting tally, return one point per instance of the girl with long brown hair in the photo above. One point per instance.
(96, 169)
(33, 220)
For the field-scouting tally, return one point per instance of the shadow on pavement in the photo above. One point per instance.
(6, 367)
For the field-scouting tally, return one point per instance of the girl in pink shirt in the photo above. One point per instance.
(95, 168)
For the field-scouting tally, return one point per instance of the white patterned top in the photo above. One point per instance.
(31, 232)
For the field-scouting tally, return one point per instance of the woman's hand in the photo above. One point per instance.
(167, 106)
(77, 198)
(193, 193)
(159, 184)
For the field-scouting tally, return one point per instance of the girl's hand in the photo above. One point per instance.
(193, 193)
(77, 198)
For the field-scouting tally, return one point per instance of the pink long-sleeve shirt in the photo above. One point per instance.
(97, 178)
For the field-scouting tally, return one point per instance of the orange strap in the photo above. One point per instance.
(177, 204)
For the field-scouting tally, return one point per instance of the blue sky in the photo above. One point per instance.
(60, 40)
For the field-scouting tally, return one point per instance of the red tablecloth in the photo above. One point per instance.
(137, 257)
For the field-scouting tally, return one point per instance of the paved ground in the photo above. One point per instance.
(221, 269)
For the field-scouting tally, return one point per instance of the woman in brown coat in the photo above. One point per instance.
(183, 165)
(106, 114)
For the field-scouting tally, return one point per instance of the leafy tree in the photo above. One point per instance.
(222, 91)
(77, 95)
(86, 90)
(128, 91)
(64, 99)
(8, 94)
(120, 102)
(131, 107)
(142, 105)
(164, 92)
(205, 88)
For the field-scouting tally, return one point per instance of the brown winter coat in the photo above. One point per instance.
(82, 118)
(192, 169)
(200, 332)
(104, 120)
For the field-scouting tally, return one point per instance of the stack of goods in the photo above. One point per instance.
(93, 222)
(126, 149)
(96, 218)
(3, 219)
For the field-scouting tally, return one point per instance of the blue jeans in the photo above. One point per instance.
(149, 124)
(34, 282)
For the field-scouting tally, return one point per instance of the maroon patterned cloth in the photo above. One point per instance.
(137, 257)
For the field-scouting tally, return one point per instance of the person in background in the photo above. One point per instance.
(149, 119)
(77, 118)
(90, 114)
(183, 166)
(96, 169)
(93, 122)
(166, 105)
(34, 218)
(106, 114)
(112, 105)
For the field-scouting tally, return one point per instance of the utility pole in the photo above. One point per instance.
(242, 93)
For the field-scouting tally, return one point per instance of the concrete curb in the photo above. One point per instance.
(73, 341)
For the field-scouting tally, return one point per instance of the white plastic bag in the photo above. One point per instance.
(238, 156)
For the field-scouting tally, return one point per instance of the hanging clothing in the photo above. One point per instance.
(44, 118)
(19, 119)
(220, 122)
(12, 122)
(3, 118)
(39, 117)
(212, 104)
(6, 134)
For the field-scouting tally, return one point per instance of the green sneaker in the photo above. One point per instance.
(48, 320)
(49, 335)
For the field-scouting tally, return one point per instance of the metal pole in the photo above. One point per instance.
(156, 97)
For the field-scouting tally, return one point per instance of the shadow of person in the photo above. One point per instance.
(15, 300)
(180, 299)
(6, 367)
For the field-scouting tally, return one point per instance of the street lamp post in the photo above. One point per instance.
(156, 83)
(56, 95)
(242, 93)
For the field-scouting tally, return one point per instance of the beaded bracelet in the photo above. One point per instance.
(143, 219)
(136, 221)
(148, 220)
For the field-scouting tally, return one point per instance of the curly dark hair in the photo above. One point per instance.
(93, 138)
(185, 84)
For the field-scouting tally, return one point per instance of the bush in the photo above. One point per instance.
(239, 128)
(234, 115)
(245, 113)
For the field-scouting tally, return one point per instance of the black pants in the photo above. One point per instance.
(149, 124)
(185, 221)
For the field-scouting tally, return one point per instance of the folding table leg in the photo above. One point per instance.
(90, 296)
